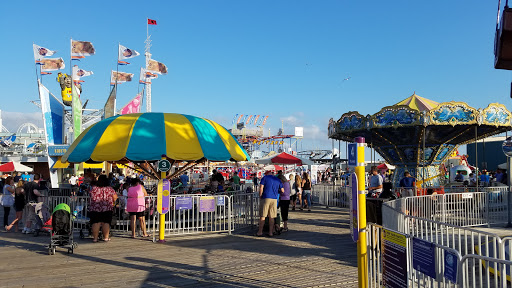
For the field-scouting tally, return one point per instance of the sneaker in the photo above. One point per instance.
(24, 231)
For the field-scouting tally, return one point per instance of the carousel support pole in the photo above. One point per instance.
(161, 226)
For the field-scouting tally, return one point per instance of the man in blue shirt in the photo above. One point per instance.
(270, 187)
(408, 182)
(184, 180)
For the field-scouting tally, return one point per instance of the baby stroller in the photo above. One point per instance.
(62, 230)
(43, 217)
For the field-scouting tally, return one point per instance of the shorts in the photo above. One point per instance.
(137, 214)
(31, 211)
(100, 217)
(293, 198)
(268, 206)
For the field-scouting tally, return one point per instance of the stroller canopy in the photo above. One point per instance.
(62, 206)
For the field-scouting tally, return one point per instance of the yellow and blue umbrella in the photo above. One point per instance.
(147, 136)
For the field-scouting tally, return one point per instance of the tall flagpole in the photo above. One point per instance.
(148, 57)
(117, 76)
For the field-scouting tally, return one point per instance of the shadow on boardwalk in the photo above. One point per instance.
(316, 251)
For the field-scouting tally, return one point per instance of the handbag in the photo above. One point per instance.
(7, 200)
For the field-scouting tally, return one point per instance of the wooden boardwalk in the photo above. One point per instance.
(316, 252)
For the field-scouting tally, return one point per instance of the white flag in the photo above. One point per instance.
(41, 52)
(145, 76)
(125, 53)
(78, 73)
(121, 77)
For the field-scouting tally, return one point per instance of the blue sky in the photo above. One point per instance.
(286, 59)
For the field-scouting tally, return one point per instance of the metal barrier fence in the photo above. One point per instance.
(489, 269)
(331, 195)
(188, 213)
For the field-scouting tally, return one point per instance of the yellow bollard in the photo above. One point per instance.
(362, 256)
(161, 220)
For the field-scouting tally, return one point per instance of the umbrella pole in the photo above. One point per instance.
(161, 225)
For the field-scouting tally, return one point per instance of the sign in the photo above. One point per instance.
(57, 150)
(467, 195)
(207, 204)
(507, 147)
(163, 191)
(299, 131)
(451, 262)
(76, 111)
(394, 259)
(354, 220)
(220, 201)
(352, 154)
(314, 174)
(183, 203)
(53, 115)
(164, 165)
(424, 257)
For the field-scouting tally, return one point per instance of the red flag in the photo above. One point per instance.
(151, 22)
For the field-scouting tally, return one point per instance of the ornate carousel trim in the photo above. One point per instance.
(453, 113)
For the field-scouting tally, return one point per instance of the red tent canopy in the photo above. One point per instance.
(284, 159)
(14, 166)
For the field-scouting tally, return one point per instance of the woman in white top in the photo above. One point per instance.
(8, 199)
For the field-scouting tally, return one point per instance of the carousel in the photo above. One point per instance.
(418, 134)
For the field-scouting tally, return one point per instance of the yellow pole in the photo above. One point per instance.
(362, 257)
(161, 226)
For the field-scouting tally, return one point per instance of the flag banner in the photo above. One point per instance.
(109, 109)
(120, 77)
(126, 53)
(245, 118)
(80, 49)
(239, 118)
(79, 73)
(151, 22)
(156, 67)
(132, 106)
(76, 111)
(53, 114)
(145, 77)
(46, 73)
(52, 64)
(234, 119)
(264, 121)
(261, 120)
(41, 52)
(256, 119)
(248, 120)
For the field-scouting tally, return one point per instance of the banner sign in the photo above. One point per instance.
(57, 150)
(163, 192)
(53, 114)
(352, 154)
(183, 203)
(394, 259)
(77, 111)
(354, 220)
(220, 201)
(109, 109)
(207, 204)
(424, 257)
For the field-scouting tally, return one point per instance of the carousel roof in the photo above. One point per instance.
(418, 103)
(397, 132)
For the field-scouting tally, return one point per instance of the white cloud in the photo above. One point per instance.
(13, 120)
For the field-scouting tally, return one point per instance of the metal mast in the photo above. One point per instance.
(148, 57)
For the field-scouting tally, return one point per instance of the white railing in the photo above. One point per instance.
(331, 195)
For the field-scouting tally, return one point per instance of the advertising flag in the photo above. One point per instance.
(109, 109)
(151, 22)
(156, 67)
(52, 64)
(126, 53)
(145, 77)
(41, 52)
(234, 119)
(265, 120)
(79, 73)
(53, 115)
(239, 118)
(256, 119)
(76, 111)
(248, 120)
(80, 49)
(132, 106)
(245, 118)
(120, 77)
(261, 120)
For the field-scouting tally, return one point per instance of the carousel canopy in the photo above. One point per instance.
(398, 132)
(147, 136)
